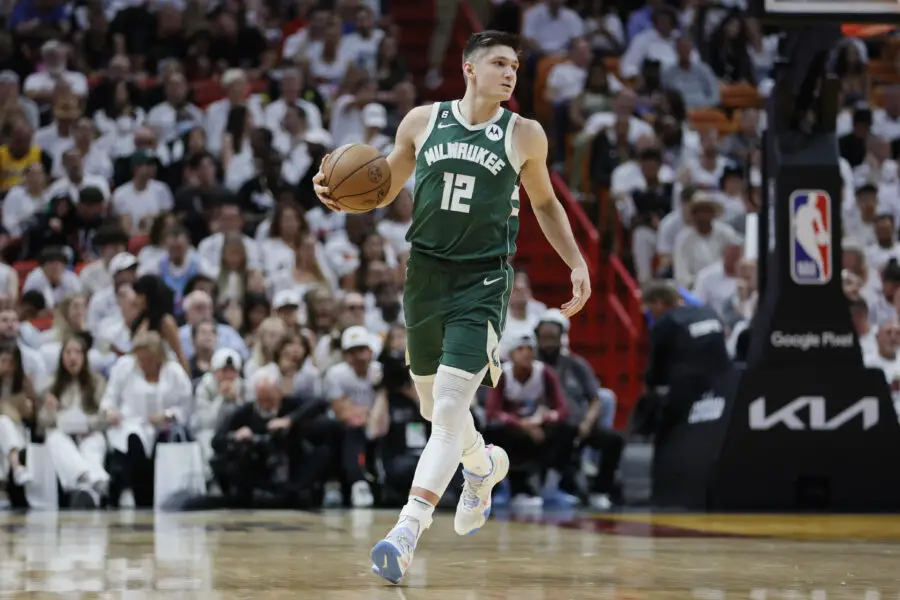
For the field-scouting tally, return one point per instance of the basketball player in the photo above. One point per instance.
(469, 156)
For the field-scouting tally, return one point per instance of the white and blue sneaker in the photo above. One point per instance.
(392, 555)
(474, 505)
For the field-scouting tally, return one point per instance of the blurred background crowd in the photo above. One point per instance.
(169, 276)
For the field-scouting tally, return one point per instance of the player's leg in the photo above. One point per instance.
(424, 339)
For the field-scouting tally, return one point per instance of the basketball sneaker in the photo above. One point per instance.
(392, 555)
(474, 505)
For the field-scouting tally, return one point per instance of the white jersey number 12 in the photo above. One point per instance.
(457, 188)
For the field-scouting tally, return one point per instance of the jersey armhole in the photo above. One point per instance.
(420, 141)
(513, 156)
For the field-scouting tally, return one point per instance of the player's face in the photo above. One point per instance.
(495, 71)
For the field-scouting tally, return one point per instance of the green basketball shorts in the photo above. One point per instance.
(455, 314)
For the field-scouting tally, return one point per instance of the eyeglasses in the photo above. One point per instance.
(355, 307)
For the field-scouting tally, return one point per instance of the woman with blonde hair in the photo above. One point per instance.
(268, 336)
(148, 392)
(75, 427)
(307, 271)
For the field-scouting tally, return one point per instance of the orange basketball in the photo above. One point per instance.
(358, 176)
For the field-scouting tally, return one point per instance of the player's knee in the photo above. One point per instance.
(427, 410)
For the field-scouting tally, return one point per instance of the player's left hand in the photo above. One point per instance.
(320, 186)
(581, 291)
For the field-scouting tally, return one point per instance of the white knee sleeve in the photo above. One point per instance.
(453, 392)
(425, 389)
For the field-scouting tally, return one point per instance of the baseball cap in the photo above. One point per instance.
(225, 357)
(521, 340)
(554, 315)
(286, 298)
(9, 76)
(356, 337)
(122, 262)
(374, 115)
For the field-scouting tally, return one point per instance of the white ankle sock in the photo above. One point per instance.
(417, 514)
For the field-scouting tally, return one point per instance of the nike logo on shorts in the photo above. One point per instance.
(445, 125)
(491, 281)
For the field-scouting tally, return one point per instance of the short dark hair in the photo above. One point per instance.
(661, 291)
(488, 39)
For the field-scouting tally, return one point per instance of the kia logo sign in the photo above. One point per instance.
(807, 413)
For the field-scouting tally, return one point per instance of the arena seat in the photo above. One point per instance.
(701, 118)
(137, 243)
(740, 95)
(43, 323)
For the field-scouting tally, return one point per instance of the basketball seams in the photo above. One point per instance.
(333, 161)
(334, 188)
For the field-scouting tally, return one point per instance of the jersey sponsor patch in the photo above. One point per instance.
(494, 132)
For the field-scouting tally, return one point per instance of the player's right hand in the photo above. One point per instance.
(320, 186)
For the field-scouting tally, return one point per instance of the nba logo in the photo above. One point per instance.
(810, 237)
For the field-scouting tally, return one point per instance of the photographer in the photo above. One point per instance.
(260, 448)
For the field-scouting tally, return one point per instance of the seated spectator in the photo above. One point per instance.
(51, 278)
(352, 387)
(17, 412)
(68, 320)
(203, 337)
(527, 415)
(140, 200)
(178, 265)
(219, 393)
(691, 77)
(41, 86)
(591, 408)
(886, 245)
(109, 241)
(147, 393)
(18, 152)
(886, 358)
(523, 310)
(703, 241)
(229, 219)
(23, 201)
(299, 375)
(198, 308)
(717, 283)
(70, 415)
(260, 446)
(351, 311)
(75, 179)
(122, 269)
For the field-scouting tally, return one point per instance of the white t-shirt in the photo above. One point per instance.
(43, 82)
(138, 204)
(341, 381)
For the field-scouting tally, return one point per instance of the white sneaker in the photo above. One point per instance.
(474, 506)
(361, 495)
(392, 555)
(21, 475)
(600, 502)
(527, 502)
(126, 499)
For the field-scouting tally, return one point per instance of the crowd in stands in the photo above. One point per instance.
(169, 275)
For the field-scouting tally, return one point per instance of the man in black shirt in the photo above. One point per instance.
(260, 446)
(687, 350)
(591, 407)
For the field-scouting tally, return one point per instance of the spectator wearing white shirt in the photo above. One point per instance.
(75, 179)
(297, 46)
(882, 306)
(103, 303)
(51, 278)
(351, 387)
(656, 43)
(692, 78)
(147, 393)
(703, 241)
(329, 61)
(291, 85)
(198, 308)
(886, 120)
(396, 222)
(704, 171)
(859, 316)
(168, 117)
(716, 284)
(860, 217)
(94, 159)
(346, 112)
(23, 201)
(179, 264)
(229, 219)
(40, 86)
(374, 118)
(57, 136)
(110, 240)
(237, 90)
(669, 228)
(885, 246)
(362, 44)
(140, 200)
(886, 358)
(550, 26)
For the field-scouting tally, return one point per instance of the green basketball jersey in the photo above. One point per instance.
(466, 199)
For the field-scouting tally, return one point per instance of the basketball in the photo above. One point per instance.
(358, 177)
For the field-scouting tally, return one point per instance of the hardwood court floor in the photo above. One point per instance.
(274, 555)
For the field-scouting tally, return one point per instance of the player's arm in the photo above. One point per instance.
(402, 158)
(531, 144)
